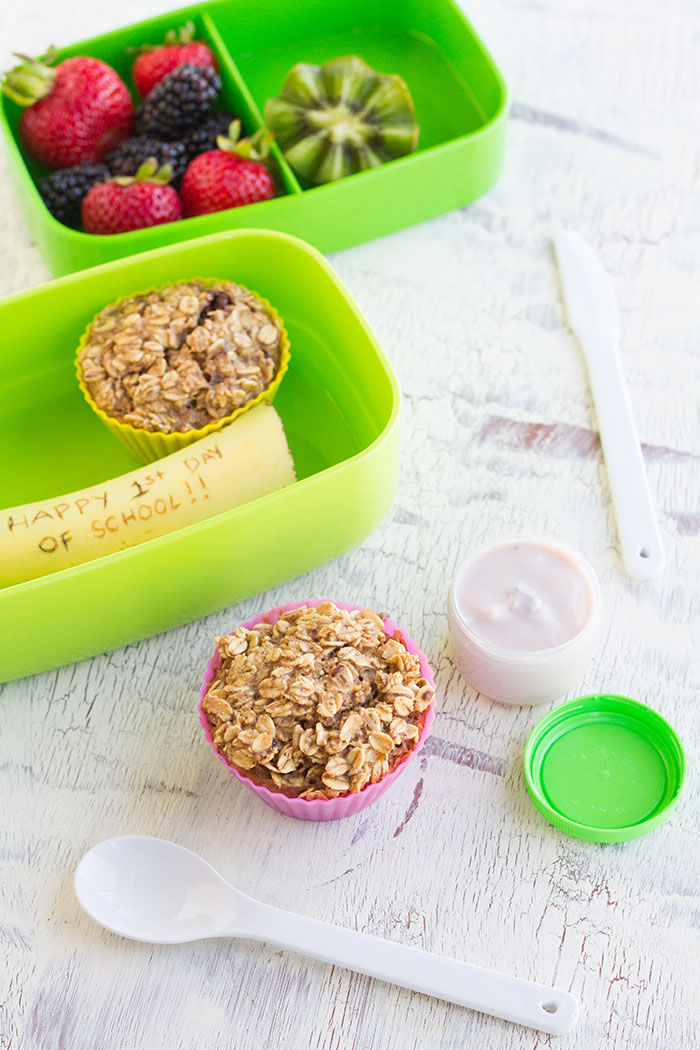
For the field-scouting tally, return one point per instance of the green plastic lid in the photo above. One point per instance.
(604, 768)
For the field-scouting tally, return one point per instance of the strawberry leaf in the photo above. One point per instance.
(31, 80)
(257, 147)
(183, 35)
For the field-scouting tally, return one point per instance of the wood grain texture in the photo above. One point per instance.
(498, 438)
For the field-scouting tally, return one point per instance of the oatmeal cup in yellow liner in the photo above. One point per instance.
(317, 706)
(165, 367)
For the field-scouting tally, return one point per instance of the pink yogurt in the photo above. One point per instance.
(524, 616)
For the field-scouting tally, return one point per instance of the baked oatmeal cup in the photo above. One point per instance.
(317, 706)
(165, 367)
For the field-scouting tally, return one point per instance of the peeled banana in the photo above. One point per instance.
(247, 459)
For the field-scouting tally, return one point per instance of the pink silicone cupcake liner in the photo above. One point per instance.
(323, 808)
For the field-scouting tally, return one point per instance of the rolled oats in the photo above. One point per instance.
(319, 704)
(182, 357)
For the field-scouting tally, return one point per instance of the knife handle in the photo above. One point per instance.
(640, 539)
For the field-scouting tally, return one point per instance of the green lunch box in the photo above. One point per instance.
(339, 403)
(461, 107)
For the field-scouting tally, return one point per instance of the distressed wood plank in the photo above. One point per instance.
(498, 438)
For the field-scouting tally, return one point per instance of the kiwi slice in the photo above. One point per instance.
(340, 118)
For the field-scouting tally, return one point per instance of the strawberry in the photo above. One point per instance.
(78, 111)
(155, 62)
(229, 176)
(123, 203)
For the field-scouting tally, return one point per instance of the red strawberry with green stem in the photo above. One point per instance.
(157, 61)
(126, 203)
(230, 176)
(77, 111)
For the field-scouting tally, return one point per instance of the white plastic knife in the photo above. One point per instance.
(593, 317)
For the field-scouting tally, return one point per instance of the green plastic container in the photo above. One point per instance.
(339, 403)
(461, 106)
(604, 768)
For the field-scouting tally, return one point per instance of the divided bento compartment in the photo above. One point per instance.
(112, 48)
(459, 97)
(245, 107)
(453, 83)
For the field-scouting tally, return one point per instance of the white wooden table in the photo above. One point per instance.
(498, 438)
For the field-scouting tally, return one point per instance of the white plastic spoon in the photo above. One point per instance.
(152, 890)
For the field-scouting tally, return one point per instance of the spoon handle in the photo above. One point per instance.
(535, 1005)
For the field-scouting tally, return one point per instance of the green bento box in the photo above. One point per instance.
(339, 403)
(461, 107)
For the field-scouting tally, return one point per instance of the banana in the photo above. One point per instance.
(247, 459)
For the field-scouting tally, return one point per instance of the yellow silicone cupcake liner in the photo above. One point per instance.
(149, 445)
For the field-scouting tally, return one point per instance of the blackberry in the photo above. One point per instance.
(137, 129)
(203, 138)
(181, 101)
(127, 158)
(62, 192)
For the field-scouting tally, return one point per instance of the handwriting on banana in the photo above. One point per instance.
(245, 460)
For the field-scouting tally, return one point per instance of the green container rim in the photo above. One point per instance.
(629, 750)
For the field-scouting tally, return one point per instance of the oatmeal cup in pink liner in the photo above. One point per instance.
(342, 746)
